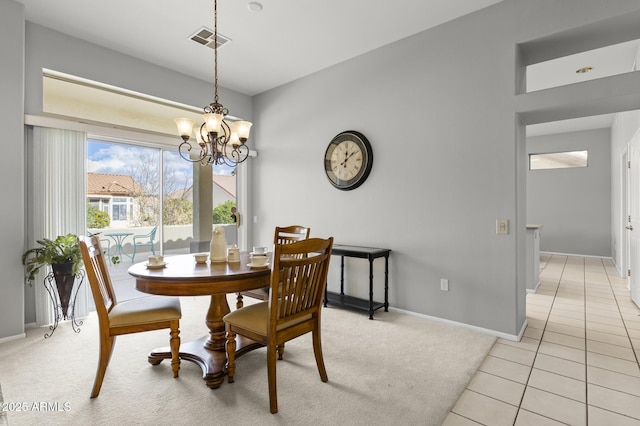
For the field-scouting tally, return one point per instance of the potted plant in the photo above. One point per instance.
(64, 257)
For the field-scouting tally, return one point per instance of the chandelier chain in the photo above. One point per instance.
(218, 141)
(215, 50)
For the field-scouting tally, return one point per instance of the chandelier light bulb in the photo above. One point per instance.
(200, 137)
(233, 139)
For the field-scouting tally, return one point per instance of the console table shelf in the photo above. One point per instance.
(370, 253)
(351, 302)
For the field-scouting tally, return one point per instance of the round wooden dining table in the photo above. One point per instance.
(182, 276)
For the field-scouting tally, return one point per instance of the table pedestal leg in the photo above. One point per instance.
(209, 352)
(218, 308)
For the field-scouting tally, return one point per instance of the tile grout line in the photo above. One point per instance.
(526, 385)
(592, 285)
(545, 327)
(624, 323)
(586, 367)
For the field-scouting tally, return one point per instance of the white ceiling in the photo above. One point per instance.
(288, 40)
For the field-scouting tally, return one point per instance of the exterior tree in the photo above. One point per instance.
(97, 218)
(222, 212)
(146, 175)
(178, 209)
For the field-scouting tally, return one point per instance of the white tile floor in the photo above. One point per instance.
(577, 363)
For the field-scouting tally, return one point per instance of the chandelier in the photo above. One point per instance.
(220, 141)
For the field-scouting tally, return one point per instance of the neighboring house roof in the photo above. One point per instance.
(226, 183)
(110, 184)
(123, 185)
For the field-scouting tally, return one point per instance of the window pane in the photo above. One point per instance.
(120, 212)
(123, 182)
(178, 205)
(558, 160)
(224, 201)
(128, 184)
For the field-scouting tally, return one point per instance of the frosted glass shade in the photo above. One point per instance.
(242, 129)
(185, 127)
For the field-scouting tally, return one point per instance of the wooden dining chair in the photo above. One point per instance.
(290, 234)
(298, 280)
(282, 235)
(131, 316)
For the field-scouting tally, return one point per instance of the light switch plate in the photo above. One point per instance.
(502, 226)
(444, 284)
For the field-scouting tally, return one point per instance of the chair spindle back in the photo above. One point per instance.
(299, 278)
(98, 275)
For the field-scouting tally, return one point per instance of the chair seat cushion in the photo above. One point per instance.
(145, 310)
(256, 317)
(259, 293)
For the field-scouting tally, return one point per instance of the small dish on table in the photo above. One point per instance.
(156, 266)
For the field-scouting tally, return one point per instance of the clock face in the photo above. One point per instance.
(348, 160)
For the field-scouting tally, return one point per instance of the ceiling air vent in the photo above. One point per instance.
(206, 37)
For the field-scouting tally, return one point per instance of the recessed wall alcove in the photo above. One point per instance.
(604, 95)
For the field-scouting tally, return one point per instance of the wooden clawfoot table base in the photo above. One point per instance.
(183, 277)
(212, 363)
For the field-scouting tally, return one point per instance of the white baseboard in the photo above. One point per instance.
(578, 255)
(622, 274)
(535, 289)
(513, 337)
(10, 338)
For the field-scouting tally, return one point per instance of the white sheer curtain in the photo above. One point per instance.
(56, 200)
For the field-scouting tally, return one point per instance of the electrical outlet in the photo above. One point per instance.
(444, 284)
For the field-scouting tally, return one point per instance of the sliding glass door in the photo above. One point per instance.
(177, 203)
(123, 197)
(142, 200)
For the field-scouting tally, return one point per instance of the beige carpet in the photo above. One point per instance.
(3, 411)
(397, 368)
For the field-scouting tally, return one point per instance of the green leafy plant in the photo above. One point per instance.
(97, 218)
(64, 249)
(222, 212)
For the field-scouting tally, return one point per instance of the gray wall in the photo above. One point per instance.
(443, 112)
(573, 205)
(11, 167)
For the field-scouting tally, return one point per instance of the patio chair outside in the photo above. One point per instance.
(145, 240)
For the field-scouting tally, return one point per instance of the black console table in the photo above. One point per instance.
(342, 299)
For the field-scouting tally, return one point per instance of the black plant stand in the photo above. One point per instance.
(60, 313)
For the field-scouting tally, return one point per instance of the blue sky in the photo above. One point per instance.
(117, 158)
